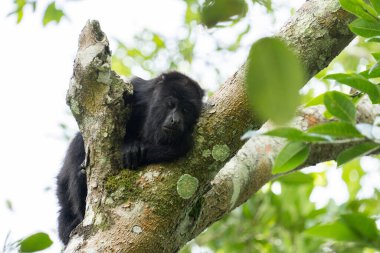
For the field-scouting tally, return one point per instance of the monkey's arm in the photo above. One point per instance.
(137, 154)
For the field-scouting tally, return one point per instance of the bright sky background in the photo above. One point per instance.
(36, 66)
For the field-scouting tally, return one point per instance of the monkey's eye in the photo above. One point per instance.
(170, 104)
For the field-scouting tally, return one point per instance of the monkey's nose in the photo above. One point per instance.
(174, 121)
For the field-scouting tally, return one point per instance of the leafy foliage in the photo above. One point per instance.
(284, 220)
(51, 13)
(265, 94)
(354, 225)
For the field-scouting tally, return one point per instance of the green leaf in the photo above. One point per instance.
(339, 105)
(318, 100)
(274, 94)
(376, 5)
(20, 15)
(35, 242)
(375, 70)
(373, 39)
(376, 56)
(365, 28)
(285, 132)
(359, 8)
(360, 83)
(297, 178)
(337, 231)
(52, 14)
(336, 129)
(291, 156)
(19, 11)
(356, 151)
(294, 134)
(362, 225)
(216, 11)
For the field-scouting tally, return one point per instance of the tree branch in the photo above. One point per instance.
(96, 100)
(142, 212)
(251, 167)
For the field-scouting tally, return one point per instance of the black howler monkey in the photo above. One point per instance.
(164, 112)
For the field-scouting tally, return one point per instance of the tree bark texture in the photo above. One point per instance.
(142, 211)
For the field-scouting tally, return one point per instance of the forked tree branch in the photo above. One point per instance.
(142, 211)
(251, 167)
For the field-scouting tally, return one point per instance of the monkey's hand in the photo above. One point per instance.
(133, 155)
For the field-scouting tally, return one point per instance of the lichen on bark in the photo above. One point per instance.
(162, 219)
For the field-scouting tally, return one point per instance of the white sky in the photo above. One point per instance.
(36, 65)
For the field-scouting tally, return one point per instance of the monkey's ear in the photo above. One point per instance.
(161, 79)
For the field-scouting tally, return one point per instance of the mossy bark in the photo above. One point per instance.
(143, 211)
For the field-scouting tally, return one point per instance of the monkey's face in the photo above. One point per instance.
(173, 111)
(171, 117)
(171, 120)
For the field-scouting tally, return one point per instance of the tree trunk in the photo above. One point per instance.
(143, 211)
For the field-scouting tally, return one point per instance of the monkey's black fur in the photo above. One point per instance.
(164, 112)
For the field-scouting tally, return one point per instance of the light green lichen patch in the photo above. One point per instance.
(104, 77)
(74, 107)
(220, 152)
(186, 186)
(206, 153)
(200, 139)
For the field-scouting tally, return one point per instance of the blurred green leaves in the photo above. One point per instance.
(19, 8)
(338, 231)
(51, 13)
(365, 28)
(353, 227)
(273, 93)
(214, 12)
(225, 13)
(360, 8)
(274, 77)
